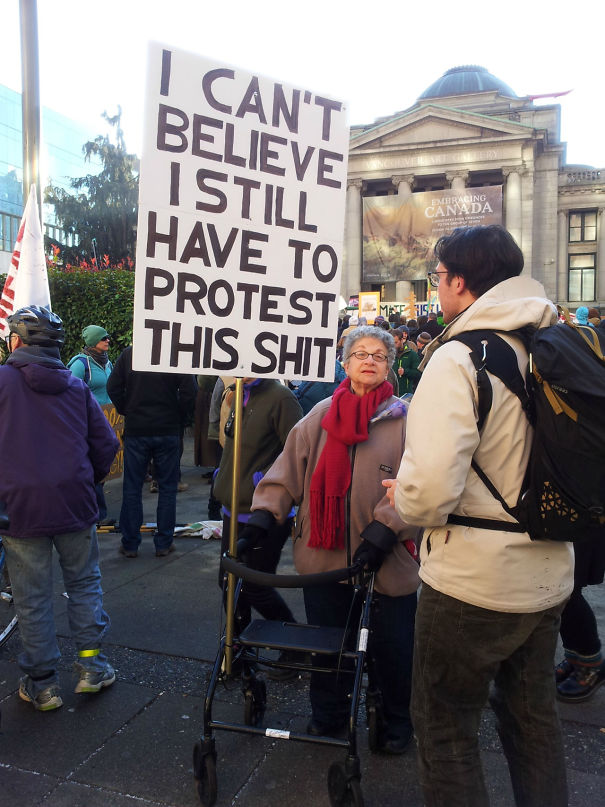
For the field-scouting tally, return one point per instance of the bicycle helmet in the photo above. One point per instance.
(37, 326)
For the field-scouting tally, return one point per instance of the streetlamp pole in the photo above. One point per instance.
(30, 99)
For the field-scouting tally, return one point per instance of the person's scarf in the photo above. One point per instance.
(98, 356)
(346, 423)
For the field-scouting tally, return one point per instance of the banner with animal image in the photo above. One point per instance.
(398, 237)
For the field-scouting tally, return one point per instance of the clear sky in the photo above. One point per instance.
(377, 57)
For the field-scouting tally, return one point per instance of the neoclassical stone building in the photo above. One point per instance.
(467, 131)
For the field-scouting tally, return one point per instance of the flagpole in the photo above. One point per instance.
(30, 99)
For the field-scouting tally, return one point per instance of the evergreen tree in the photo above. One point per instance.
(102, 213)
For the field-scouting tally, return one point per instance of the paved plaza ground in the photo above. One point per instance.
(131, 745)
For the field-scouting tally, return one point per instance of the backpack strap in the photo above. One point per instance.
(86, 362)
(490, 353)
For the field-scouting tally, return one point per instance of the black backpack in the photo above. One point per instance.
(563, 494)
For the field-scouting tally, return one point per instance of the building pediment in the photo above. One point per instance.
(433, 124)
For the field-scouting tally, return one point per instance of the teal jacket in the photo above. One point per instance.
(409, 361)
(93, 374)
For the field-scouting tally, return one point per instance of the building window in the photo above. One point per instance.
(583, 225)
(581, 278)
(9, 229)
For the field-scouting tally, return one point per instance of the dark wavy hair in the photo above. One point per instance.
(483, 255)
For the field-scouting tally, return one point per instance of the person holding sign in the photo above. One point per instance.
(270, 411)
(332, 467)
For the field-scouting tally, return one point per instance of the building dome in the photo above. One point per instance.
(464, 80)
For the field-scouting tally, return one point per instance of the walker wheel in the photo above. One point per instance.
(343, 792)
(255, 701)
(204, 772)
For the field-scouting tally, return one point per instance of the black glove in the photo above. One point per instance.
(250, 537)
(369, 555)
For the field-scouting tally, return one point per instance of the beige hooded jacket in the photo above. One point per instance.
(501, 571)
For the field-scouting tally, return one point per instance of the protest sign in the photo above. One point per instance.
(116, 421)
(241, 219)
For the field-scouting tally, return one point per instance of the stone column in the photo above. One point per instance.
(351, 276)
(600, 284)
(457, 180)
(562, 272)
(404, 185)
(513, 203)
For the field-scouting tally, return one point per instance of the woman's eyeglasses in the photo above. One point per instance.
(361, 355)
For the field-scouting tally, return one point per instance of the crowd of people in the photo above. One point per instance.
(351, 475)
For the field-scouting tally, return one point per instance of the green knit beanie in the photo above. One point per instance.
(93, 334)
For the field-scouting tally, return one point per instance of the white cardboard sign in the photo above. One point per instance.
(241, 219)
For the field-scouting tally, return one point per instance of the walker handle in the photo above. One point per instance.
(288, 580)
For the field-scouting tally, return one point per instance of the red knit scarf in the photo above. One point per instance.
(346, 423)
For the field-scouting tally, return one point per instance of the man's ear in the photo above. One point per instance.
(459, 284)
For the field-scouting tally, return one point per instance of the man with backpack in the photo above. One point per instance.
(491, 597)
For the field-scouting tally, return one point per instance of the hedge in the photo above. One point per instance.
(83, 297)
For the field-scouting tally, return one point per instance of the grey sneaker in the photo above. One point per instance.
(45, 701)
(93, 680)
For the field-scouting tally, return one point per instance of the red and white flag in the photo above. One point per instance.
(27, 279)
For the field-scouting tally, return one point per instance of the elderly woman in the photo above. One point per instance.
(332, 466)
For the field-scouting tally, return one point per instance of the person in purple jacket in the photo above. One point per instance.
(56, 444)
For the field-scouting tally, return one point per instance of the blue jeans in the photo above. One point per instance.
(138, 451)
(390, 650)
(459, 649)
(30, 566)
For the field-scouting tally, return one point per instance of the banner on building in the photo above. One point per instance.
(241, 220)
(398, 237)
(27, 279)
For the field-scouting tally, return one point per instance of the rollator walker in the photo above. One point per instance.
(313, 642)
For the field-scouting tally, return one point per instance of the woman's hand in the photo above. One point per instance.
(390, 485)
(369, 556)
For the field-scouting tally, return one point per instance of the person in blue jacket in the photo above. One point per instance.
(309, 393)
(92, 365)
(56, 443)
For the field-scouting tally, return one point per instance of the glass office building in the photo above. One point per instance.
(61, 158)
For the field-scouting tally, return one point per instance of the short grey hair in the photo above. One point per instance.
(369, 332)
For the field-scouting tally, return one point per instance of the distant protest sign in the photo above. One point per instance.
(116, 421)
(241, 219)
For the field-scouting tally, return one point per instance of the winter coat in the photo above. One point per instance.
(55, 443)
(288, 482)
(310, 393)
(268, 416)
(93, 374)
(501, 571)
(409, 360)
(152, 403)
